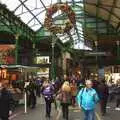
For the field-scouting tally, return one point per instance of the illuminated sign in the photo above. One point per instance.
(3, 73)
(43, 60)
(43, 72)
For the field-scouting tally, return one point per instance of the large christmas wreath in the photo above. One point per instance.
(49, 20)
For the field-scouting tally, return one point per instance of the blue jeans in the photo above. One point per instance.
(89, 115)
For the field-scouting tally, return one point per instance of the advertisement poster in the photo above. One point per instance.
(7, 54)
(43, 60)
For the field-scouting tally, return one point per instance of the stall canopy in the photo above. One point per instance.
(27, 68)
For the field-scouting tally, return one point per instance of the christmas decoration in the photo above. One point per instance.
(49, 20)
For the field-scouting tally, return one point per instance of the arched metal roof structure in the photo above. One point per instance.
(93, 17)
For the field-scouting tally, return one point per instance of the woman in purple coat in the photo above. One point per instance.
(48, 92)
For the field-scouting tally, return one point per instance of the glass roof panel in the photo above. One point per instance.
(11, 4)
(64, 38)
(29, 10)
(41, 17)
(36, 27)
(49, 2)
(24, 16)
(81, 46)
(30, 4)
(32, 12)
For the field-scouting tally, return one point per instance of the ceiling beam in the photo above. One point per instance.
(19, 6)
(110, 15)
(31, 12)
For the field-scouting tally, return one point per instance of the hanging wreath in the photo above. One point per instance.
(49, 20)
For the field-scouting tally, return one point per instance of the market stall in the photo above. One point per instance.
(15, 76)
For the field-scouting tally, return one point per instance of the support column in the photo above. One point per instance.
(96, 45)
(118, 50)
(16, 51)
(34, 53)
(53, 59)
(64, 63)
(65, 56)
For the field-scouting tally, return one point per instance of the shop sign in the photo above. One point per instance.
(43, 60)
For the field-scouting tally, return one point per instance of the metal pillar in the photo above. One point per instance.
(96, 45)
(16, 51)
(118, 51)
(53, 58)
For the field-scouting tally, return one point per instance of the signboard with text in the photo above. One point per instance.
(43, 60)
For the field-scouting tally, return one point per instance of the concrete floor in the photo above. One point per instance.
(75, 114)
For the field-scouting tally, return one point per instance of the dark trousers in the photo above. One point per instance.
(48, 106)
(65, 110)
(103, 104)
(38, 91)
(3, 118)
(117, 102)
(32, 101)
(73, 100)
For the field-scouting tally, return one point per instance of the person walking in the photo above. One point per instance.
(39, 83)
(103, 93)
(48, 93)
(32, 94)
(73, 86)
(87, 98)
(6, 102)
(117, 92)
(65, 99)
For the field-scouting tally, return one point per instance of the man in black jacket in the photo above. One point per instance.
(117, 93)
(103, 92)
(6, 102)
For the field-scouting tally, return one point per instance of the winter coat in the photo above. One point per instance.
(48, 91)
(73, 89)
(65, 97)
(6, 103)
(87, 98)
(103, 91)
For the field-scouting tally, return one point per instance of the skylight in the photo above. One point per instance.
(32, 13)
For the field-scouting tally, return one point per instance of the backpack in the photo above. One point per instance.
(81, 96)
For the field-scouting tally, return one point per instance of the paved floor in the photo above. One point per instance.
(75, 114)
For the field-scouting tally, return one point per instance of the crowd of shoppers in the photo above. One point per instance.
(63, 93)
